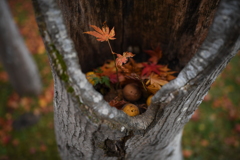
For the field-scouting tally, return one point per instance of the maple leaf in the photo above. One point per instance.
(134, 76)
(133, 67)
(113, 78)
(155, 79)
(108, 68)
(117, 103)
(153, 88)
(164, 68)
(170, 77)
(155, 54)
(103, 34)
(149, 68)
(123, 58)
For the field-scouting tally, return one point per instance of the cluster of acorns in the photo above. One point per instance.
(132, 93)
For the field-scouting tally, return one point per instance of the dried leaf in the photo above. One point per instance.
(170, 77)
(153, 88)
(108, 68)
(155, 54)
(102, 34)
(187, 153)
(155, 79)
(133, 67)
(149, 68)
(123, 58)
(164, 68)
(113, 78)
(134, 76)
(204, 143)
(117, 103)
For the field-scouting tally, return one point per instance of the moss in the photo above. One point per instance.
(60, 66)
(57, 60)
(70, 90)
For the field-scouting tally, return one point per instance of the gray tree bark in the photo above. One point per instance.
(15, 57)
(86, 126)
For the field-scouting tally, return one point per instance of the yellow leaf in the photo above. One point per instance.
(153, 88)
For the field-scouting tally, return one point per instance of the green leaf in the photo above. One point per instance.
(97, 80)
(98, 70)
(105, 80)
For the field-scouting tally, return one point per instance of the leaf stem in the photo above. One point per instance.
(114, 58)
(143, 85)
(110, 47)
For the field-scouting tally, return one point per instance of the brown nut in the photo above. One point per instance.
(131, 92)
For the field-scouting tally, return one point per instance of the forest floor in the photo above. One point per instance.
(213, 133)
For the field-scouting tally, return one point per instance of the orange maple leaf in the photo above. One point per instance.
(155, 79)
(123, 58)
(103, 34)
(108, 68)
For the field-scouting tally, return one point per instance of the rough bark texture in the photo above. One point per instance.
(15, 57)
(86, 126)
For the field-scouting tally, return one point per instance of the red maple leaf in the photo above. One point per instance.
(113, 78)
(155, 54)
(149, 68)
(123, 58)
(103, 34)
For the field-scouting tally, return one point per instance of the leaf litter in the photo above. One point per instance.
(125, 82)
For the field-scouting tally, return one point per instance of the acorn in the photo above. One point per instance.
(149, 100)
(131, 109)
(90, 77)
(131, 92)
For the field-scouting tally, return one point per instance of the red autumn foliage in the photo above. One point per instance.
(155, 54)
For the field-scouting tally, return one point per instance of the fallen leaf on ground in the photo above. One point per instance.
(155, 54)
(155, 79)
(187, 153)
(43, 148)
(204, 143)
(196, 115)
(149, 68)
(153, 88)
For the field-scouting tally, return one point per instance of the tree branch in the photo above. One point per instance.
(15, 57)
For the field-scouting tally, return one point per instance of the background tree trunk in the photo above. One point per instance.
(86, 126)
(15, 57)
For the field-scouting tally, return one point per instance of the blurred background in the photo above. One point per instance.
(27, 127)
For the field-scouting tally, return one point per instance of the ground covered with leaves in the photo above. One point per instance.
(26, 123)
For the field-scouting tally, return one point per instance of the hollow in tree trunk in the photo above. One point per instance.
(198, 39)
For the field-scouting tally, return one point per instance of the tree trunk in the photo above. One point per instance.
(86, 126)
(15, 57)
